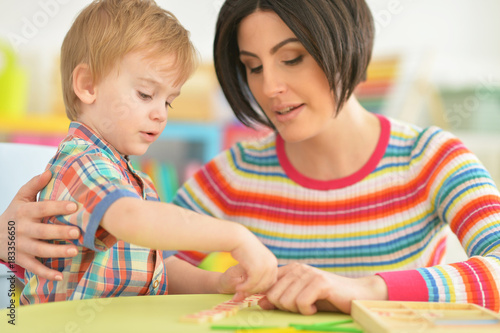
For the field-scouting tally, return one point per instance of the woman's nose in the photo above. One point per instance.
(273, 83)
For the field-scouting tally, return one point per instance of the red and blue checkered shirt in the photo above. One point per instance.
(90, 172)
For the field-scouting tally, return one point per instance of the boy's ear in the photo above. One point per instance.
(83, 84)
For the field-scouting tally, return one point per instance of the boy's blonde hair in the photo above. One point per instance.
(106, 30)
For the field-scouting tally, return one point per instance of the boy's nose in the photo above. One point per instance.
(159, 113)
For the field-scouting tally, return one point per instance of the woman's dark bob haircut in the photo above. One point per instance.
(337, 33)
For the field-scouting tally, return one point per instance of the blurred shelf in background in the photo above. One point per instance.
(201, 124)
(182, 148)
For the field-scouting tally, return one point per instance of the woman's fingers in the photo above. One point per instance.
(33, 265)
(39, 210)
(29, 190)
(283, 293)
(29, 217)
(42, 249)
(266, 304)
(49, 231)
(325, 305)
(35, 248)
(31, 233)
(311, 296)
(300, 288)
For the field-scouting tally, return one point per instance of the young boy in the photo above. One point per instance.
(123, 62)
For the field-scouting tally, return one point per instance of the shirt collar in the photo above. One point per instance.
(81, 131)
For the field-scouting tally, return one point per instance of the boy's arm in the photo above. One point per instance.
(184, 278)
(165, 226)
(168, 227)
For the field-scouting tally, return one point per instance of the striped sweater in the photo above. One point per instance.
(387, 218)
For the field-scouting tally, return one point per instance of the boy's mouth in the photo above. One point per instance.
(150, 136)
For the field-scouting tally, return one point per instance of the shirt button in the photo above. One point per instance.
(156, 283)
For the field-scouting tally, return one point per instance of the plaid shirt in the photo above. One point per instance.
(90, 172)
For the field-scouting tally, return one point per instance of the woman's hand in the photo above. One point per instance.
(305, 289)
(30, 233)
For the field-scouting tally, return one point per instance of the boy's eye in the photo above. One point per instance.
(168, 105)
(294, 61)
(143, 95)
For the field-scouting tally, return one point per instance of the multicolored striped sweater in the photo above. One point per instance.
(388, 218)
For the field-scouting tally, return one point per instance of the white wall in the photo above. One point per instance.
(462, 35)
(36, 28)
(52, 19)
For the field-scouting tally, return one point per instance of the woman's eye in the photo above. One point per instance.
(294, 61)
(143, 95)
(255, 70)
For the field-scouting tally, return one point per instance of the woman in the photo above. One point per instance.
(352, 204)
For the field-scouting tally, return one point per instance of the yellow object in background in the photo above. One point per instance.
(17, 293)
(197, 99)
(218, 262)
(58, 109)
(13, 84)
(272, 330)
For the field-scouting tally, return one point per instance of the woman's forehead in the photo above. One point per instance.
(262, 29)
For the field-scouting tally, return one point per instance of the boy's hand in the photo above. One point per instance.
(231, 278)
(257, 270)
(30, 233)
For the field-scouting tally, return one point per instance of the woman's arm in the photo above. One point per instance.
(464, 197)
(30, 233)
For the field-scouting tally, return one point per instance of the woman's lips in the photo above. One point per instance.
(288, 113)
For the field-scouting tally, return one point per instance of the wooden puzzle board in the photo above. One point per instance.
(393, 316)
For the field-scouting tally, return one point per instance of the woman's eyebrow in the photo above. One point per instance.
(283, 43)
(274, 49)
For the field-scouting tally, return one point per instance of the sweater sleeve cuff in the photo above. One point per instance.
(405, 286)
(17, 270)
(193, 257)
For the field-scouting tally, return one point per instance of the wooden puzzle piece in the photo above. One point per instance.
(222, 310)
(254, 299)
(194, 318)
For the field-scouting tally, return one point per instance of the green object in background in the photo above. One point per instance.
(13, 84)
(472, 108)
(218, 262)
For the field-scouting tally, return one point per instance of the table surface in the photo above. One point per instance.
(144, 313)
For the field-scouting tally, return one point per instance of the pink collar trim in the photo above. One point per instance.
(368, 168)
